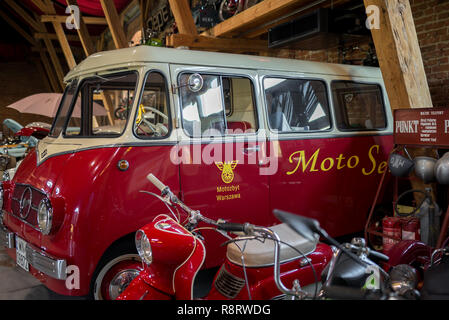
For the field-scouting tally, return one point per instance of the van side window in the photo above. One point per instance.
(152, 119)
(297, 105)
(101, 107)
(224, 106)
(359, 106)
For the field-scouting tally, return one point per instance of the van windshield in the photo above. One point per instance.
(64, 108)
(98, 107)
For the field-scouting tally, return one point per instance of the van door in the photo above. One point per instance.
(222, 148)
(328, 169)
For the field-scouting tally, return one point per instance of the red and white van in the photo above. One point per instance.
(236, 136)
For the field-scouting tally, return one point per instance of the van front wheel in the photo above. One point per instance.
(114, 274)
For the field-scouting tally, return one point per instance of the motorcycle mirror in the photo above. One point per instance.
(306, 227)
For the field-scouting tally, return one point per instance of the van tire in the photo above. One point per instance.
(121, 261)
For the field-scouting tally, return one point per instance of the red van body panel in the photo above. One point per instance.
(332, 180)
(91, 204)
(89, 192)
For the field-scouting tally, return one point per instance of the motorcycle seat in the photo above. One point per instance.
(261, 254)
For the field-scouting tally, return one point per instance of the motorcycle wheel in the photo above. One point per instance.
(229, 8)
(114, 273)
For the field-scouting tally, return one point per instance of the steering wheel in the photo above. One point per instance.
(163, 115)
(157, 130)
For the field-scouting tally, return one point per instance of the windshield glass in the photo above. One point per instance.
(100, 107)
(64, 108)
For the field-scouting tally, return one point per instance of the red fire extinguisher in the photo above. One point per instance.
(391, 228)
(410, 229)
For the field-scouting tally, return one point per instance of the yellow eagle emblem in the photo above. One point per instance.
(227, 170)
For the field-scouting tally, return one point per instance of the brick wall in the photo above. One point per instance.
(432, 26)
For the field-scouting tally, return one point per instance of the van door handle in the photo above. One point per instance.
(251, 149)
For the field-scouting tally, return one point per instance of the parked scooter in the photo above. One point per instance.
(352, 274)
(261, 263)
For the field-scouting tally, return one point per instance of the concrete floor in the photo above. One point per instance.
(17, 284)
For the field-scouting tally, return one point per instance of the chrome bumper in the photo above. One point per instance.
(40, 260)
(6, 238)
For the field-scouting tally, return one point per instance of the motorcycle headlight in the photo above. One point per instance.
(403, 277)
(143, 247)
(44, 216)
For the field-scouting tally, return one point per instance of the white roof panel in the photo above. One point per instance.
(147, 54)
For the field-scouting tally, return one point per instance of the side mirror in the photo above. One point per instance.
(195, 82)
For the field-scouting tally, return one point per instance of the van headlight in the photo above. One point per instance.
(143, 247)
(44, 216)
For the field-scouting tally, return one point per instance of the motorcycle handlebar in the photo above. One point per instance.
(157, 183)
(379, 255)
(231, 227)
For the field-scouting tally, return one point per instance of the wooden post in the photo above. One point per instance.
(113, 19)
(401, 64)
(399, 55)
(183, 16)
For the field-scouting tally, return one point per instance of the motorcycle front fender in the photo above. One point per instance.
(408, 252)
(139, 289)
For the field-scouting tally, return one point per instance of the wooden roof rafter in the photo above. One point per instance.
(245, 27)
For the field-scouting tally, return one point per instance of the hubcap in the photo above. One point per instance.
(121, 281)
(116, 275)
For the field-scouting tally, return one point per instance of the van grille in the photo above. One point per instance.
(36, 197)
(228, 284)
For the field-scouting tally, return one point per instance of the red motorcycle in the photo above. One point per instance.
(260, 262)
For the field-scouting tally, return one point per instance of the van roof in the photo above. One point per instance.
(148, 54)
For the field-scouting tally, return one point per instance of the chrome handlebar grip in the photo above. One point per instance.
(157, 183)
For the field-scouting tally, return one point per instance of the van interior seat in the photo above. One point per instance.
(238, 125)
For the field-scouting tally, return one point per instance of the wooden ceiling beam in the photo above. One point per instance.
(259, 14)
(221, 44)
(18, 28)
(264, 28)
(23, 14)
(40, 5)
(183, 16)
(53, 36)
(63, 19)
(70, 59)
(51, 51)
(115, 26)
(83, 33)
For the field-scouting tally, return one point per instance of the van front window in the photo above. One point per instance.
(100, 108)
